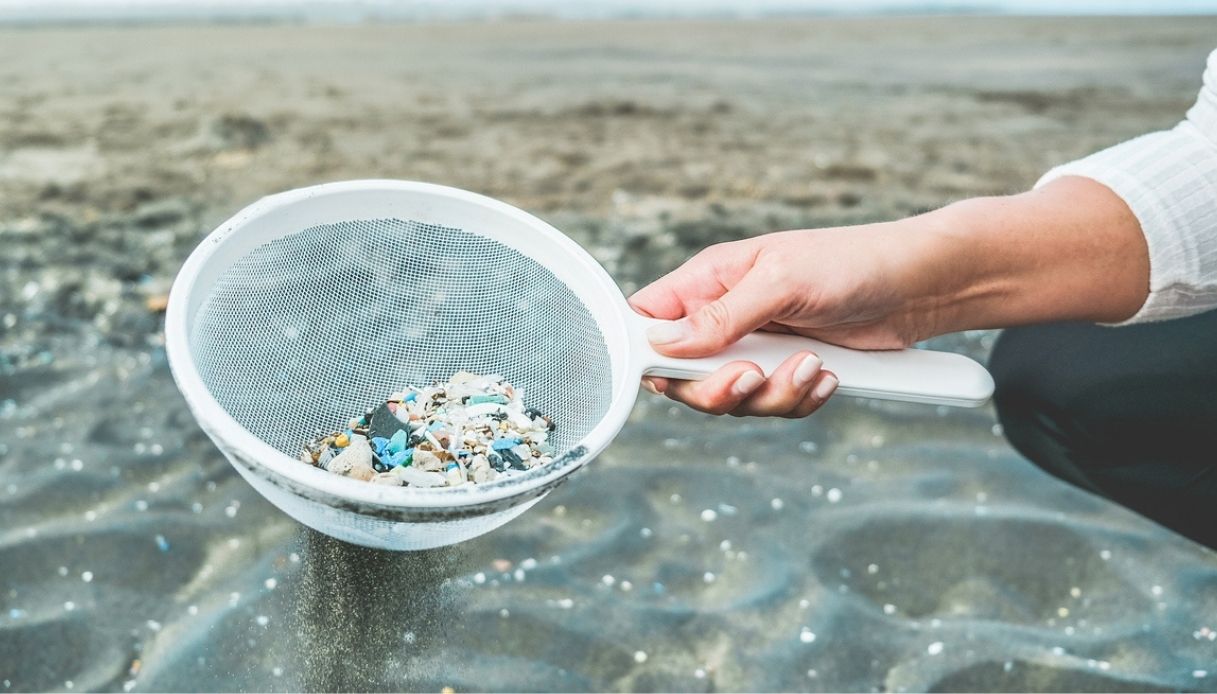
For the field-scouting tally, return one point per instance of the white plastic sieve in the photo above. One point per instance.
(313, 304)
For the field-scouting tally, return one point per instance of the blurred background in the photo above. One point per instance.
(873, 547)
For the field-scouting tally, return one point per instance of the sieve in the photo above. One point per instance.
(310, 305)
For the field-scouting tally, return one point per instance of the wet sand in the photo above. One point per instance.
(872, 547)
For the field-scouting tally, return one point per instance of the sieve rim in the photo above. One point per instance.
(234, 439)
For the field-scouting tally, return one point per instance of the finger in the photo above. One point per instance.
(655, 384)
(823, 388)
(750, 304)
(787, 387)
(722, 392)
(687, 287)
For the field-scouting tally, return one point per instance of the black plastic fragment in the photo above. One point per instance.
(384, 423)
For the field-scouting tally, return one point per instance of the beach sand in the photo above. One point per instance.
(873, 547)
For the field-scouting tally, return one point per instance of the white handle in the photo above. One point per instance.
(909, 375)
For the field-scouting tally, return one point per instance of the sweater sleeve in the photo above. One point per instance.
(1169, 181)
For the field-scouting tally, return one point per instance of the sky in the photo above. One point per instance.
(357, 10)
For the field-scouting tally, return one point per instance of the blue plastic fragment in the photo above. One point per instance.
(399, 458)
(398, 442)
(435, 426)
(379, 443)
(496, 399)
(504, 444)
(411, 397)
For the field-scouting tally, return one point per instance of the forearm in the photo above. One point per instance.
(1071, 250)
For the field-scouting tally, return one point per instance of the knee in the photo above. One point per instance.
(1016, 368)
(1028, 401)
(1054, 380)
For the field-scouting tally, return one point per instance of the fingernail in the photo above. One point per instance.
(806, 370)
(667, 332)
(825, 387)
(747, 382)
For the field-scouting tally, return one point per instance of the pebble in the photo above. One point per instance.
(480, 470)
(426, 460)
(640, 657)
(455, 474)
(934, 648)
(355, 460)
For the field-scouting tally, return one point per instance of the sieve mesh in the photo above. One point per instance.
(315, 326)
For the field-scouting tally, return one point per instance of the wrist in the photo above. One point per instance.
(948, 285)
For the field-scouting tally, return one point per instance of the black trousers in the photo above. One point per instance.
(1128, 413)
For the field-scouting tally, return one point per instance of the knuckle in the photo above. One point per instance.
(715, 318)
(776, 272)
(711, 255)
(722, 248)
(699, 401)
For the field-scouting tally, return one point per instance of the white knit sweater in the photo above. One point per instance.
(1169, 181)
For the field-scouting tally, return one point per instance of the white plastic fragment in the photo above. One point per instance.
(387, 478)
(419, 478)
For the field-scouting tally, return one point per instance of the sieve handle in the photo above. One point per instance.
(908, 375)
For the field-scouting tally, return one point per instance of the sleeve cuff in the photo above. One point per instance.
(1169, 181)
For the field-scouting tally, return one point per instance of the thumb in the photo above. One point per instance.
(750, 304)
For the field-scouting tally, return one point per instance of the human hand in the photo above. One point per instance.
(849, 286)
